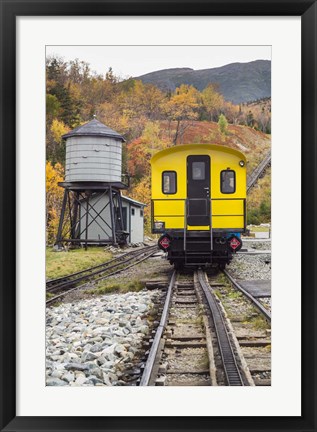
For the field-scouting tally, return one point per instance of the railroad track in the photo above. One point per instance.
(95, 274)
(251, 323)
(192, 345)
(261, 308)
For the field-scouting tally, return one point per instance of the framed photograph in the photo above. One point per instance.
(59, 374)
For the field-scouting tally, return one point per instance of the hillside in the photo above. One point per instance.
(254, 144)
(238, 82)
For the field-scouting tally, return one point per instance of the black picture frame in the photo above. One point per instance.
(9, 10)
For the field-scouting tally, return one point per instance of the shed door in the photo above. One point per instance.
(198, 190)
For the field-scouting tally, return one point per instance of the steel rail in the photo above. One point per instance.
(230, 366)
(92, 271)
(62, 278)
(53, 299)
(147, 373)
(256, 303)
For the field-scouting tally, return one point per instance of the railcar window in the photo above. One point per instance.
(228, 181)
(169, 182)
(198, 170)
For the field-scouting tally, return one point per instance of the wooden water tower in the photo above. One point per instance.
(93, 184)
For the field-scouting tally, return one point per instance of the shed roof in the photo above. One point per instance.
(94, 128)
(132, 201)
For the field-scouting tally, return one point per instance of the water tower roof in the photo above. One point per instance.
(94, 128)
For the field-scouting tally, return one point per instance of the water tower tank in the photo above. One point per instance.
(93, 153)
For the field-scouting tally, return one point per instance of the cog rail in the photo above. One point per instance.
(228, 358)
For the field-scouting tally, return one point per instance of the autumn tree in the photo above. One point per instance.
(232, 112)
(78, 71)
(151, 101)
(142, 192)
(213, 101)
(55, 147)
(250, 119)
(110, 76)
(142, 149)
(69, 106)
(183, 105)
(54, 196)
(56, 70)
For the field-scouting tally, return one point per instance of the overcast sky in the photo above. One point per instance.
(138, 60)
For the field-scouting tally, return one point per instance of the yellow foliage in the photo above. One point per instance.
(152, 137)
(58, 128)
(183, 103)
(74, 90)
(212, 100)
(54, 196)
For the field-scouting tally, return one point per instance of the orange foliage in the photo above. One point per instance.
(142, 192)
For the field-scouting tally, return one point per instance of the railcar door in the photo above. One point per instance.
(198, 190)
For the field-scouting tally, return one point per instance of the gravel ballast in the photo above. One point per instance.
(251, 267)
(94, 342)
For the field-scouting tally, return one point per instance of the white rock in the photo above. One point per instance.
(69, 377)
(87, 356)
(55, 382)
(80, 380)
(57, 373)
(120, 349)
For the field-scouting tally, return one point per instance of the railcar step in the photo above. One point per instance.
(200, 241)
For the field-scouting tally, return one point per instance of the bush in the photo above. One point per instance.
(223, 124)
(261, 214)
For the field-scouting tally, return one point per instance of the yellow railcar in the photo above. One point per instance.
(199, 203)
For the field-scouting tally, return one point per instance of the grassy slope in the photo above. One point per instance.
(252, 143)
(63, 263)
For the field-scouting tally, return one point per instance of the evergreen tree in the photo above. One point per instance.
(222, 124)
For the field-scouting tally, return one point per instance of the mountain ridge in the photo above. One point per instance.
(238, 82)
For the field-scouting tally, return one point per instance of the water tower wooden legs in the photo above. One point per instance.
(91, 217)
(114, 241)
(61, 220)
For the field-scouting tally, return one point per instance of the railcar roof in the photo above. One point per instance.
(210, 147)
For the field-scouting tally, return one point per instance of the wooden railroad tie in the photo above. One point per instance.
(255, 343)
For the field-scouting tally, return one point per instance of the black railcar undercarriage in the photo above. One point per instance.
(199, 248)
